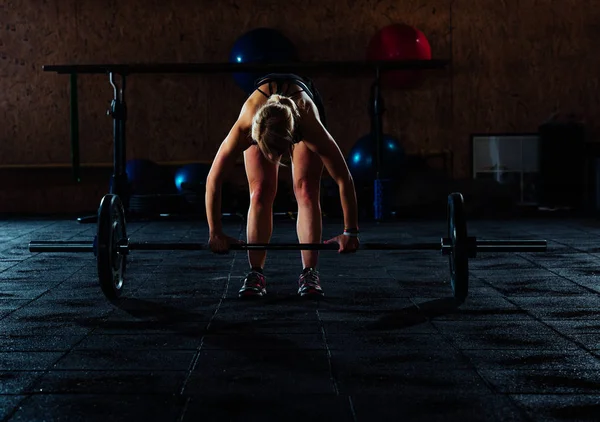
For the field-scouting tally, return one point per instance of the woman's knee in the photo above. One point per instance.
(262, 193)
(307, 192)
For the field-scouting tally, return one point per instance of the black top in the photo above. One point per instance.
(277, 81)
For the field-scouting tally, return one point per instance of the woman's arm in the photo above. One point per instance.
(318, 139)
(221, 167)
(235, 143)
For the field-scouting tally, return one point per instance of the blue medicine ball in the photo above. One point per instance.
(191, 177)
(362, 158)
(260, 45)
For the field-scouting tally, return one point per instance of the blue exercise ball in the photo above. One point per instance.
(362, 158)
(260, 45)
(144, 176)
(191, 177)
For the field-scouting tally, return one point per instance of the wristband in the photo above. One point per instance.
(351, 234)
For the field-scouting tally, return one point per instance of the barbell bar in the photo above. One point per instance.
(111, 246)
(444, 246)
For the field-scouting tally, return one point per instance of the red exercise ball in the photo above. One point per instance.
(400, 42)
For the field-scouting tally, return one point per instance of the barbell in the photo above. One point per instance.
(111, 246)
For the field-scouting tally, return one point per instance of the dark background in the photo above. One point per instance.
(514, 64)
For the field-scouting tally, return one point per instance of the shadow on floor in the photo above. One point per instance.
(414, 315)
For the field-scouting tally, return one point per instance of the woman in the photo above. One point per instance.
(283, 115)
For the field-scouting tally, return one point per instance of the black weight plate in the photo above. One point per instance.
(111, 232)
(459, 257)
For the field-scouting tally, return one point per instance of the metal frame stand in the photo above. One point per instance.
(376, 110)
(118, 111)
(119, 183)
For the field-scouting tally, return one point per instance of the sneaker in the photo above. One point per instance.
(255, 285)
(309, 284)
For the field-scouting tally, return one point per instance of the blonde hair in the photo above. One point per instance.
(274, 123)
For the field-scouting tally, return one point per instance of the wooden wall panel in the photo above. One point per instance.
(31, 121)
(179, 117)
(514, 64)
(517, 63)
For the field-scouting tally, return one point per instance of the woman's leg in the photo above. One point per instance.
(262, 181)
(307, 168)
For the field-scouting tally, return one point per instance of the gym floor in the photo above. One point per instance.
(387, 342)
